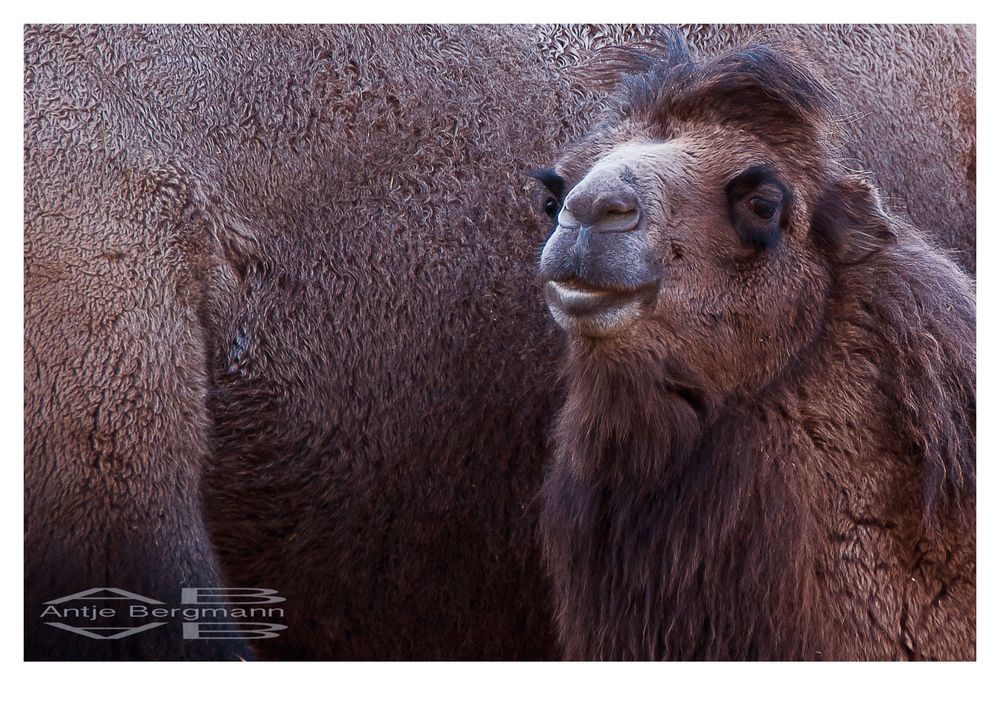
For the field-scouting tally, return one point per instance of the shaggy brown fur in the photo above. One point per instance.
(278, 283)
(781, 466)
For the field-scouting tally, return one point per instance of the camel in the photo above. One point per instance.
(766, 449)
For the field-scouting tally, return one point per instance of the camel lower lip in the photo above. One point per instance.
(593, 313)
(577, 301)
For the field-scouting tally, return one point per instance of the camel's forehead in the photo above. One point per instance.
(644, 157)
(706, 153)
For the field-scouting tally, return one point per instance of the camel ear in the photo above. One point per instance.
(849, 221)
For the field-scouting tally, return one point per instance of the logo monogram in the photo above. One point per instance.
(207, 613)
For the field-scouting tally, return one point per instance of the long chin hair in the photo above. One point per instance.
(669, 531)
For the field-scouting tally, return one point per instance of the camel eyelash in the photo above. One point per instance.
(553, 181)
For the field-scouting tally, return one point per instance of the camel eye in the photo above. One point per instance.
(556, 186)
(756, 198)
(763, 208)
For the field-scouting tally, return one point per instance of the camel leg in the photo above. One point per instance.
(116, 425)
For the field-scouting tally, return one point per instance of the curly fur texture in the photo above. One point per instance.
(279, 289)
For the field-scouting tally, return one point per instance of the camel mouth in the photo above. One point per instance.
(593, 311)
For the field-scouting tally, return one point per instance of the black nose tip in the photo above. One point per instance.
(590, 208)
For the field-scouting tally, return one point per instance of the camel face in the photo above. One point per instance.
(690, 239)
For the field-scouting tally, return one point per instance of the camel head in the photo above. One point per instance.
(704, 219)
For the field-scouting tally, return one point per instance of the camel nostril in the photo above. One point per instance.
(618, 211)
(618, 205)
